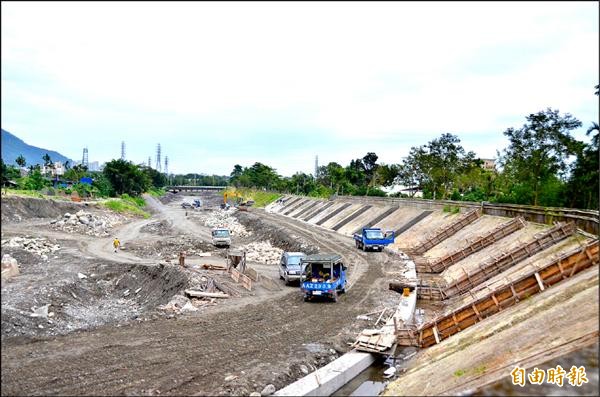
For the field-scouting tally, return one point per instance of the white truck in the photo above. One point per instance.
(221, 237)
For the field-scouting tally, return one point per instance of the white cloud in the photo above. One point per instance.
(352, 71)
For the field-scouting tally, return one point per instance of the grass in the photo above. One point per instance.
(459, 372)
(127, 205)
(261, 198)
(157, 192)
(28, 193)
(451, 209)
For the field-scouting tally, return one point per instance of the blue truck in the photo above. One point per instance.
(323, 275)
(373, 238)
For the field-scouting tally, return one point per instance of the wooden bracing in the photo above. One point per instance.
(496, 266)
(485, 304)
(446, 232)
(478, 244)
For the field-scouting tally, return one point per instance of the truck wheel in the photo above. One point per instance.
(287, 280)
(343, 290)
(335, 296)
(306, 298)
(364, 247)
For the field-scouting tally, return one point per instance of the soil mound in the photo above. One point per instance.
(17, 209)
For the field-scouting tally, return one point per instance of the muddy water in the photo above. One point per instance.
(587, 357)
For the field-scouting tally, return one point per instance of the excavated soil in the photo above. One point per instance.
(103, 332)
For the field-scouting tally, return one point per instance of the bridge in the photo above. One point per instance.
(176, 189)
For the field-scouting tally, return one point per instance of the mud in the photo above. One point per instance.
(105, 334)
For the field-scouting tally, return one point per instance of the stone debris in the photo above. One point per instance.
(268, 390)
(40, 311)
(36, 245)
(224, 219)
(87, 223)
(10, 267)
(263, 252)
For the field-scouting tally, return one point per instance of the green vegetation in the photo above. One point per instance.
(127, 205)
(459, 372)
(157, 192)
(261, 198)
(451, 209)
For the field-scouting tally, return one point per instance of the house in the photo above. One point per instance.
(488, 164)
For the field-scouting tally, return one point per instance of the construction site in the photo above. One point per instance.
(464, 294)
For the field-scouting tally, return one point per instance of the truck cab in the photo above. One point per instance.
(289, 266)
(221, 237)
(323, 275)
(373, 238)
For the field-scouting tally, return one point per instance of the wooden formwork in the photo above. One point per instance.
(478, 244)
(496, 266)
(446, 232)
(510, 293)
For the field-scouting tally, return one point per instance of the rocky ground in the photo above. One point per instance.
(139, 330)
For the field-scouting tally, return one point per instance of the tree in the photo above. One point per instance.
(75, 173)
(126, 177)
(157, 179)
(435, 167)
(584, 181)
(235, 175)
(538, 151)
(9, 172)
(20, 161)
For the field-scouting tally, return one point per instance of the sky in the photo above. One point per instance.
(225, 83)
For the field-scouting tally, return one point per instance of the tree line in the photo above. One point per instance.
(543, 164)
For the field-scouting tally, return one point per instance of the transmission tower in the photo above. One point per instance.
(158, 157)
(149, 161)
(167, 165)
(84, 160)
(122, 150)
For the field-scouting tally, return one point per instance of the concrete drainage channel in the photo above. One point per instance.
(328, 379)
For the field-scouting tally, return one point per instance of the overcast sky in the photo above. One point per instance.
(219, 84)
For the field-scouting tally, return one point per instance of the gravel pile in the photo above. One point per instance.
(224, 219)
(36, 245)
(262, 252)
(87, 223)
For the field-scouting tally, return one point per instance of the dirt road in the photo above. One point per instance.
(236, 350)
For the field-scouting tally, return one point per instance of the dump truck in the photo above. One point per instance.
(323, 275)
(373, 238)
(221, 237)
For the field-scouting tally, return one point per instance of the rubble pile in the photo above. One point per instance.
(87, 223)
(170, 247)
(263, 252)
(39, 246)
(224, 219)
(160, 228)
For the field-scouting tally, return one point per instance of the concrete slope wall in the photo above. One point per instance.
(362, 220)
(341, 215)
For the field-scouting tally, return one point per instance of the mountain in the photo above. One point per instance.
(12, 147)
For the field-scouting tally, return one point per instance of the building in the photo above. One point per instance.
(57, 169)
(489, 164)
(94, 166)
